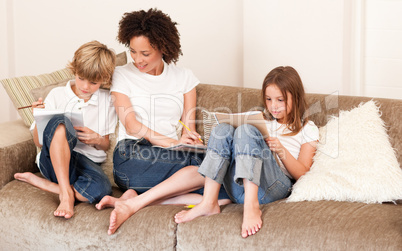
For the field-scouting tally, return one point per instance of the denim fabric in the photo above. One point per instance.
(242, 153)
(87, 176)
(140, 166)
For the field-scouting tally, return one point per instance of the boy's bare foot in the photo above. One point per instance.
(66, 206)
(202, 209)
(109, 201)
(37, 181)
(119, 215)
(31, 178)
(252, 221)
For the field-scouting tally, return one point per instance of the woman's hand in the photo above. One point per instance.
(190, 138)
(38, 104)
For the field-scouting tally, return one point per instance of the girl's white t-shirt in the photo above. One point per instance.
(157, 101)
(308, 133)
(98, 113)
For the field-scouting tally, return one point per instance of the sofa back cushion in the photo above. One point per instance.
(217, 98)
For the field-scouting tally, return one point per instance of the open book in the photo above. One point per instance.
(186, 148)
(255, 118)
(42, 117)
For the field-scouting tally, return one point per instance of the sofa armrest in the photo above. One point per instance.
(17, 150)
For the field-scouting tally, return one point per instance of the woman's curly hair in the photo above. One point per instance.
(157, 27)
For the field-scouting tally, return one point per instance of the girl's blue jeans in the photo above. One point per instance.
(86, 176)
(140, 166)
(242, 153)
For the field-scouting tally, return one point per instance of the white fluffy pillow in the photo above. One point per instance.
(354, 161)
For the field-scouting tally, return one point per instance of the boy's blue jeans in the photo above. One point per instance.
(140, 166)
(86, 176)
(242, 153)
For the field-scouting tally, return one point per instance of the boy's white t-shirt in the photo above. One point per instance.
(156, 100)
(98, 113)
(308, 133)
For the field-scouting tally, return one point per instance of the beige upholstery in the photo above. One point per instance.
(27, 223)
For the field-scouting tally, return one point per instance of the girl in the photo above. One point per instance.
(243, 161)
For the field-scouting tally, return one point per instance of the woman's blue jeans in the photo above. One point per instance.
(140, 166)
(86, 176)
(242, 153)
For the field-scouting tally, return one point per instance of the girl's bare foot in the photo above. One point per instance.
(109, 201)
(119, 215)
(202, 209)
(66, 206)
(252, 221)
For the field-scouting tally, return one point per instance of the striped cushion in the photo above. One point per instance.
(18, 89)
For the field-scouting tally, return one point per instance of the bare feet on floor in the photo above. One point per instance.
(252, 221)
(202, 209)
(109, 201)
(119, 215)
(66, 206)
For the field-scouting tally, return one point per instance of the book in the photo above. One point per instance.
(255, 118)
(42, 117)
(186, 148)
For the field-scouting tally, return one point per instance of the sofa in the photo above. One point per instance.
(27, 221)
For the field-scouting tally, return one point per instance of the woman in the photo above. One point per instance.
(151, 96)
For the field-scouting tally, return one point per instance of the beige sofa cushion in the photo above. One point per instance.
(28, 212)
(320, 225)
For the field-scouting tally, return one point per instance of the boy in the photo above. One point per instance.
(71, 156)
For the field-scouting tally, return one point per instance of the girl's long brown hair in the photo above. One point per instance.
(288, 80)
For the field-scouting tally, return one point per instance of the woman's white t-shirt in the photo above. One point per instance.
(308, 133)
(157, 100)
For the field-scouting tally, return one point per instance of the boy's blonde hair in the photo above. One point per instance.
(95, 62)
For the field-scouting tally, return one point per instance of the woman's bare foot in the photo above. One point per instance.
(105, 202)
(66, 206)
(119, 215)
(109, 201)
(252, 221)
(202, 209)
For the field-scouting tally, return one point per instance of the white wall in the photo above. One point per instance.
(335, 46)
(349, 47)
(52, 35)
(383, 48)
(7, 111)
(307, 35)
(45, 34)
